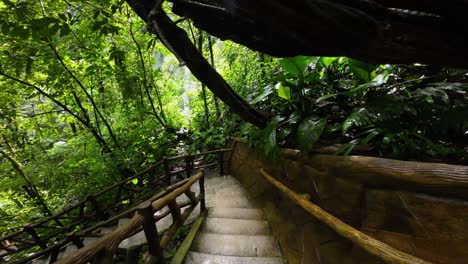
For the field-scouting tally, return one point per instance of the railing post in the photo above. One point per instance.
(151, 231)
(202, 192)
(76, 240)
(93, 201)
(35, 236)
(167, 172)
(188, 166)
(175, 212)
(221, 163)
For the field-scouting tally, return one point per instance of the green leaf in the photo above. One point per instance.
(327, 61)
(357, 117)
(135, 181)
(309, 132)
(267, 91)
(296, 65)
(284, 91)
(361, 69)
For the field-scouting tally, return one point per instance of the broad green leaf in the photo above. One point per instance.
(267, 91)
(284, 91)
(296, 65)
(327, 61)
(135, 181)
(361, 69)
(354, 118)
(309, 132)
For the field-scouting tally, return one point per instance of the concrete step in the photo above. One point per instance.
(235, 213)
(228, 202)
(201, 258)
(236, 245)
(236, 226)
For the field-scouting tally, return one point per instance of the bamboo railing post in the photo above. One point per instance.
(175, 211)
(191, 196)
(221, 163)
(167, 172)
(76, 240)
(92, 199)
(202, 193)
(151, 231)
(35, 236)
(188, 166)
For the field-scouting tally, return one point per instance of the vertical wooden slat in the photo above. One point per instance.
(75, 240)
(188, 166)
(54, 255)
(175, 211)
(221, 163)
(97, 209)
(191, 196)
(151, 231)
(167, 172)
(36, 237)
(202, 192)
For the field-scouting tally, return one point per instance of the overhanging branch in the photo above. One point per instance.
(178, 42)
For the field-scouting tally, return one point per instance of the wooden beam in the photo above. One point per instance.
(379, 249)
(431, 178)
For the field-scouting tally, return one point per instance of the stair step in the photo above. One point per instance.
(236, 226)
(201, 258)
(228, 202)
(236, 245)
(235, 213)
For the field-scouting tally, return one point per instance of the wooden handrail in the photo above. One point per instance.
(373, 246)
(83, 209)
(110, 242)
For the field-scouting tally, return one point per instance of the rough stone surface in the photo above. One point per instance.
(429, 227)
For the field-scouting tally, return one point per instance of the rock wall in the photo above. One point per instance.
(431, 227)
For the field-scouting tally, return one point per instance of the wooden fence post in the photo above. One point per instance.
(95, 204)
(175, 212)
(188, 166)
(221, 163)
(167, 172)
(202, 193)
(151, 231)
(35, 236)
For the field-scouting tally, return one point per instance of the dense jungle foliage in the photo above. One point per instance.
(88, 96)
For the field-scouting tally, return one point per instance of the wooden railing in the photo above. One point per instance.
(371, 245)
(49, 235)
(103, 249)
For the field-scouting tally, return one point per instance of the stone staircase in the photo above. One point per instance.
(234, 231)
